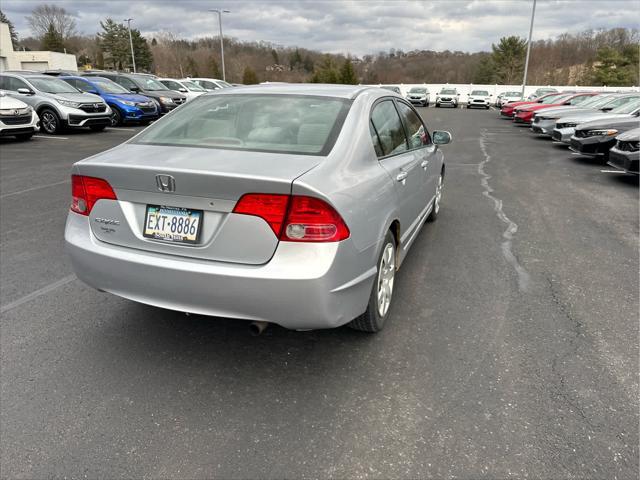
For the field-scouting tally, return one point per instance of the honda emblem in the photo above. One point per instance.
(165, 183)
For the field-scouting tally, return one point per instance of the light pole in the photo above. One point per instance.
(220, 12)
(133, 57)
(526, 62)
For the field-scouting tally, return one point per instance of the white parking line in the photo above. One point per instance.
(123, 129)
(613, 171)
(27, 298)
(33, 188)
(51, 138)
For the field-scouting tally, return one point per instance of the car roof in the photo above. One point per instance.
(317, 89)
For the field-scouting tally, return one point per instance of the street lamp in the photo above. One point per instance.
(133, 57)
(526, 62)
(220, 12)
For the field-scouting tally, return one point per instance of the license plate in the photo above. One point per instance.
(172, 224)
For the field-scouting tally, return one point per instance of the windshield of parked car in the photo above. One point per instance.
(389, 87)
(109, 86)
(554, 99)
(52, 85)
(512, 94)
(224, 84)
(418, 90)
(627, 107)
(194, 87)
(171, 84)
(480, 93)
(596, 101)
(579, 100)
(448, 92)
(149, 84)
(266, 122)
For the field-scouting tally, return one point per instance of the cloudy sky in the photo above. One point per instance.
(356, 27)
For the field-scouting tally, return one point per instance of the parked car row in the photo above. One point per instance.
(56, 100)
(604, 125)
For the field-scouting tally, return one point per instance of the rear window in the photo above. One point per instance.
(294, 124)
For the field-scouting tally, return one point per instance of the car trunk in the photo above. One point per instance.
(206, 181)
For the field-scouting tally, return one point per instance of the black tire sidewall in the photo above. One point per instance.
(57, 118)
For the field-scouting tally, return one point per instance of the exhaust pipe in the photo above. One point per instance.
(256, 328)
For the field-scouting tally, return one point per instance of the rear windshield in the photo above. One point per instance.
(512, 94)
(294, 124)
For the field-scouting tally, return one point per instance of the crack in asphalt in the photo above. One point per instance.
(512, 227)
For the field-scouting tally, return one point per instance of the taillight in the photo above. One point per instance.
(86, 191)
(295, 218)
(270, 207)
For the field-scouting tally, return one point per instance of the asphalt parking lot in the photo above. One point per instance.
(511, 350)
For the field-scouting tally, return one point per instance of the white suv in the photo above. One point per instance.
(479, 98)
(210, 84)
(17, 119)
(447, 96)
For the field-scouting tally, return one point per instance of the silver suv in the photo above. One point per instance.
(57, 103)
(419, 96)
(447, 96)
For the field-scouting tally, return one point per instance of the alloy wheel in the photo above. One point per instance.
(386, 275)
(49, 122)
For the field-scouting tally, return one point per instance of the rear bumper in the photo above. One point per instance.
(304, 286)
(627, 161)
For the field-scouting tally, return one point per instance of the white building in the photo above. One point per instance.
(12, 60)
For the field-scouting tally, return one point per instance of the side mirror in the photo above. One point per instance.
(182, 89)
(93, 92)
(606, 109)
(441, 137)
(25, 91)
(135, 89)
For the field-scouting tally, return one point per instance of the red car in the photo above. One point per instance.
(507, 110)
(524, 114)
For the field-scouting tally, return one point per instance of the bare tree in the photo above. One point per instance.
(43, 16)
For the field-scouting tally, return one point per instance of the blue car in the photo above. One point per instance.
(127, 107)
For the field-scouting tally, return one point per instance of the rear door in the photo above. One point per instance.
(420, 141)
(401, 163)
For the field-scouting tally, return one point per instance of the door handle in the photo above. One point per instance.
(424, 164)
(401, 176)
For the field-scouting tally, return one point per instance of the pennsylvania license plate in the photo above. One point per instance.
(173, 224)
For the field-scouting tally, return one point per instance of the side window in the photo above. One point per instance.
(14, 84)
(376, 141)
(209, 85)
(125, 82)
(4, 82)
(390, 131)
(416, 132)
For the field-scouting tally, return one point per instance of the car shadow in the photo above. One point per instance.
(625, 180)
(587, 160)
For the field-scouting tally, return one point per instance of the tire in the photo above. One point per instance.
(97, 128)
(116, 117)
(433, 216)
(437, 105)
(372, 320)
(23, 137)
(486, 107)
(50, 121)
(426, 104)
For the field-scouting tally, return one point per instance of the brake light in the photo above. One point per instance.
(270, 207)
(86, 191)
(295, 218)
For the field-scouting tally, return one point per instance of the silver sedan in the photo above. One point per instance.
(290, 204)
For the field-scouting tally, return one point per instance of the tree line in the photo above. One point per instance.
(593, 57)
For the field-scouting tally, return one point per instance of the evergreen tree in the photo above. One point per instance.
(114, 41)
(617, 67)
(347, 74)
(484, 72)
(276, 59)
(12, 30)
(212, 68)
(308, 64)
(249, 77)
(326, 72)
(191, 68)
(52, 40)
(295, 59)
(508, 58)
(144, 57)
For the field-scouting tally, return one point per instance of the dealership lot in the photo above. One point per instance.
(511, 349)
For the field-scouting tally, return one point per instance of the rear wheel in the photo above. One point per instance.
(437, 199)
(50, 121)
(372, 320)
